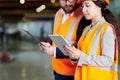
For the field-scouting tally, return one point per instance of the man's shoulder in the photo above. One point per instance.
(58, 12)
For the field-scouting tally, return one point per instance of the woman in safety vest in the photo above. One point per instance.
(97, 53)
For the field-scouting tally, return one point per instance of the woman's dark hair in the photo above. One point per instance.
(108, 15)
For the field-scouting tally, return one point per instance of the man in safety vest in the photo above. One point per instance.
(66, 22)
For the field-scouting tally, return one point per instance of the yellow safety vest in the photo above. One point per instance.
(91, 46)
(68, 31)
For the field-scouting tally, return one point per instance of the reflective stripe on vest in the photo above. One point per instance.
(95, 40)
(94, 48)
(69, 35)
(56, 16)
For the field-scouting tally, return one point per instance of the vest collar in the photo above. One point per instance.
(63, 12)
(101, 20)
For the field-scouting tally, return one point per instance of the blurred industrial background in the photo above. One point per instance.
(23, 59)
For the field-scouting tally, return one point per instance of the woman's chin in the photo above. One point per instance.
(88, 18)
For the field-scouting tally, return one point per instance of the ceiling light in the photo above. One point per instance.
(41, 8)
(22, 1)
(52, 1)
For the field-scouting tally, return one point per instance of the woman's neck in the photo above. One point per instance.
(96, 20)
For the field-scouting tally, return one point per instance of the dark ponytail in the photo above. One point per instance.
(109, 17)
(106, 13)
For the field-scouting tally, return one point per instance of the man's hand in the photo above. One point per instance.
(46, 48)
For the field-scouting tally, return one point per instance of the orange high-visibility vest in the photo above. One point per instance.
(91, 45)
(68, 31)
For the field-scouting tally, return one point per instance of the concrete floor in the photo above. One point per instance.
(29, 64)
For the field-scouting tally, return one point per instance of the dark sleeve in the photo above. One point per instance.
(82, 24)
(59, 54)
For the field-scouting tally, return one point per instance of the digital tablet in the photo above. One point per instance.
(60, 42)
(33, 37)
